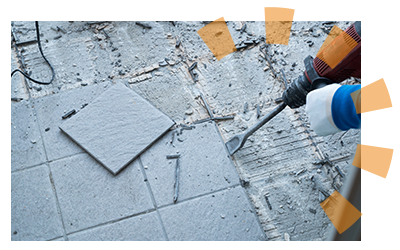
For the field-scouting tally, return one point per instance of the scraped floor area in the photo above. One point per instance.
(59, 192)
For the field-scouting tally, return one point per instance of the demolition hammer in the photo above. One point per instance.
(339, 60)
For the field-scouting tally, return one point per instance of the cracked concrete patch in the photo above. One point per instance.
(116, 127)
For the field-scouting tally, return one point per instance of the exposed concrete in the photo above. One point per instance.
(278, 160)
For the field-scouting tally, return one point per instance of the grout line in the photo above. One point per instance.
(42, 163)
(51, 179)
(152, 197)
(113, 221)
(57, 203)
(200, 195)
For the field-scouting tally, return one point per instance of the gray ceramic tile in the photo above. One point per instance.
(224, 215)
(204, 164)
(117, 126)
(90, 195)
(34, 213)
(26, 143)
(144, 227)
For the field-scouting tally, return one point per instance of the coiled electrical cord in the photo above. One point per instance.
(41, 52)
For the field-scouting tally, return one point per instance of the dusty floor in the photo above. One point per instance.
(278, 161)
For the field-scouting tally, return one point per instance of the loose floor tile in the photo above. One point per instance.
(223, 215)
(88, 195)
(117, 126)
(144, 227)
(204, 164)
(34, 213)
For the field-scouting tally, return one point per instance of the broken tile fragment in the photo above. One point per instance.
(142, 78)
(133, 80)
(116, 127)
(148, 69)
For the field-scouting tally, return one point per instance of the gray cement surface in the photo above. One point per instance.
(278, 161)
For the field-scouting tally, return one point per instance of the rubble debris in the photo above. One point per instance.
(47, 129)
(170, 62)
(57, 37)
(243, 29)
(26, 42)
(323, 161)
(312, 210)
(258, 111)
(69, 114)
(206, 105)
(268, 203)
(284, 78)
(193, 74)
(339, 171)
(162, 63)
(268, 59)
(176, 185)
(173, 156)
(286, 236)
(245, 107)
(186, 127)
(223, 118)
(107, 36)
(16, 99)
(300, 172)
(244, 182)
(178, 42)
(319, 187)
(143, 24)
(241, 47)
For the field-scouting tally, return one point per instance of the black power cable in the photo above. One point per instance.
(41, 52)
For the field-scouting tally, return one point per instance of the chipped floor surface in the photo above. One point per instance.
(75, 198)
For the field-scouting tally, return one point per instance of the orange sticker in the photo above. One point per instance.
(375, 160)
(374, 96)
(278, 23)
(340, 211)
(335, 32)
(337, 49)
(217, 37)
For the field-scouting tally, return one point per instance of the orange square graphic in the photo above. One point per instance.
(340, 211)
(278, 23)
(217, 37)
(338, 49)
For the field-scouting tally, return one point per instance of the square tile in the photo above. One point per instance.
(144, 227)
(26, 142)
(34, 213)
(204, 164)
(89, 195)
(116, 127)
(221, 216)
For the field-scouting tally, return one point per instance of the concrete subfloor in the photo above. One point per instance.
(278, 161)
